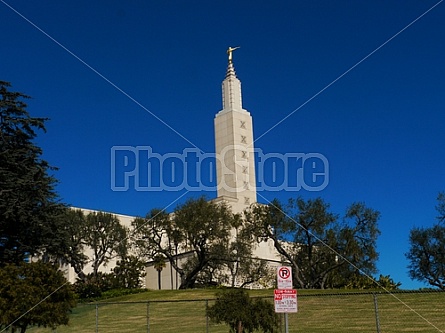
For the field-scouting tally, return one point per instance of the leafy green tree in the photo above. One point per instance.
(426, 253)
(199, 228)
(74, 248)
(385, 281)
(29, 206)
(93, 285)
(360, 281)
(206, 230)
(34, 294)
(242, 313)
(128, 273)
(98, 232)
(313, 240)
(359, 246)
(106, 236)
(243, 267)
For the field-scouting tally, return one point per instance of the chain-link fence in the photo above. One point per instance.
(317, 312)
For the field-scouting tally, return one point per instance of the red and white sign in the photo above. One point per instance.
(285, 300)
(284, 277)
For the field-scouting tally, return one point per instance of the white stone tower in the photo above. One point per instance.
(234, 146)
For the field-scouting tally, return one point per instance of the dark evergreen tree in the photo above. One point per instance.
(34, 294)
(29, 205)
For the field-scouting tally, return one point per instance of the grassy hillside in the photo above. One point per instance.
(329, 311)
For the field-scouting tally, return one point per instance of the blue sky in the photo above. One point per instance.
(363, 91)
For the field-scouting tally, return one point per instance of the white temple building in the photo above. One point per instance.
(235, 171)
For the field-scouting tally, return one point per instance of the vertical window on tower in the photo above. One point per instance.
(243, 139)
(246, 185)
(246, 201)
(243, 124)
(244, 154)
(244, 169)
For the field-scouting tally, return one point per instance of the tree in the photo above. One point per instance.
(106, 237)
(29, 206)
(34, 294)
(74, 248)
(360, 281)
(128, 273)
(159, 265)
(242, 313)
(199, 228)
(206, 230)
(244, 268)
(359, 247)
(315, 243)
(427, 250)
(98, 232)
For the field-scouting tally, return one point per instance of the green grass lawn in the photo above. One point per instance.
(318, 311)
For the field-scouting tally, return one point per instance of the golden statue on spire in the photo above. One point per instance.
(229, 52)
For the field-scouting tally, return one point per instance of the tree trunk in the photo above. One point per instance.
(187, 283)
(190, 279)
(78, 270)
(159, 279)
(240, 327)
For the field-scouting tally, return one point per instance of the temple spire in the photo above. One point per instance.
(231, 86)
(230, 71)
(230, 68)
(234, 145)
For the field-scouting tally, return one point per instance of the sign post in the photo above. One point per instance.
(285, 298)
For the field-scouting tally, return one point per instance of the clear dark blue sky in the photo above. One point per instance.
(381, 125)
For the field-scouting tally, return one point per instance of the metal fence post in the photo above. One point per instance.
(97, 318)
(148, 317)
(376, 309)
(207, 316)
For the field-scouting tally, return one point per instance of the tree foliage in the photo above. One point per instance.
(427, 250)
(360, 281)
(322, 250)
(73, 249)
(128, 273)
(34, 294)
(29, 206)
(106, 236)
(242, 313)
(242, 266)
(100, 233)
(198, 227)
(206, 231)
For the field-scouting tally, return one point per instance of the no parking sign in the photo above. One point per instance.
(284, 277)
